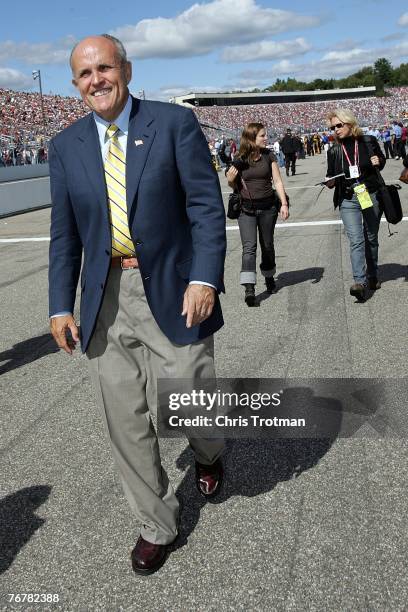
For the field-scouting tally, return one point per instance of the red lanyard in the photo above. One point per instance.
(356, 154)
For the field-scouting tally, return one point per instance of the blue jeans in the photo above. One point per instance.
(362, 231)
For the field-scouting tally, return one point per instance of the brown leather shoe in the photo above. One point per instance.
(373, 284)
(147, 558)
(209, 478)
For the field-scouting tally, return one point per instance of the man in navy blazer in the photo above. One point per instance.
(151, 309)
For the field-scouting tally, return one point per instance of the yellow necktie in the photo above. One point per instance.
(115, 175)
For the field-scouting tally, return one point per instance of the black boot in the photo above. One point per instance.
(373, 283)
(250, 294)
(270, 284)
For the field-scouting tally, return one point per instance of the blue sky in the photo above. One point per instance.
(212, 45)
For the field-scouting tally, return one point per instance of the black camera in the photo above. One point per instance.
(240, 164)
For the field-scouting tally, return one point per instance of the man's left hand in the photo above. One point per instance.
(198, 304)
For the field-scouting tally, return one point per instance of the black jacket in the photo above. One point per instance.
(337, 163)
(290, 145)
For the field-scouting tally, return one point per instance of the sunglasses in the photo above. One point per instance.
(337, 126)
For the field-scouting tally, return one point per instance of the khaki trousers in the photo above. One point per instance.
(126, 355)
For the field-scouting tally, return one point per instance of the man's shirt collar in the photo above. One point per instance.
(122, 122)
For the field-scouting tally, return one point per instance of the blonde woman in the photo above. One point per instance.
(356, 157)
(252, 173)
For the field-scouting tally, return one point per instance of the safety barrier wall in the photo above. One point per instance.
(24, 188)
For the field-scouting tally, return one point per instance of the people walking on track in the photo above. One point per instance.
(357, 158)
(290, 146)
(252, 173)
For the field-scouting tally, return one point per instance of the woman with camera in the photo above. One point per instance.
(357, 159)
(251, 174)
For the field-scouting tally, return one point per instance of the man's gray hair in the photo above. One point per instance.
(120, 49)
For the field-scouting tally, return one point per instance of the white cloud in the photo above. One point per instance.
(403, 20)
(265, 50)
(400, 50)
(395, 36)
(14, 79)
(356, 58)
(199, 30)
(205, 27)
(280, 68)
(37, 53)
(333, 64)
(347, 43)
(347, 56)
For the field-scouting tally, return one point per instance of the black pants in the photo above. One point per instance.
(290, 160)
(388, 149)
(399, 148)
(262, 222)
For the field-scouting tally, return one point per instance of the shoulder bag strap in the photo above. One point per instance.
(371, 152)
(247, 189)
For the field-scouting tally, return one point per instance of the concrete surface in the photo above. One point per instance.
(301, 525)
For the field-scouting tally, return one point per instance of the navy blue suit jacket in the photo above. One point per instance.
(175, 211)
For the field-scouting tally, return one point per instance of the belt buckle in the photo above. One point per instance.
(121, 262)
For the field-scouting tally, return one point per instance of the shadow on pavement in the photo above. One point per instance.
(295, 277)
(261, 297)
(18, 521)
(27, 351)
(256, 466)
(287, 279)
(392, 271)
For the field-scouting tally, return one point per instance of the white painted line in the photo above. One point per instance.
(304, 187)
(307, 224)
(296, 224)
(229, 228)
(286, 188)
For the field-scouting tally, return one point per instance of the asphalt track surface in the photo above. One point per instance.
(303, 524)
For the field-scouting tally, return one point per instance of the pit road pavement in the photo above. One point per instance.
(300, 525)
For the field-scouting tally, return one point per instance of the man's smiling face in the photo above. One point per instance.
(101, 76)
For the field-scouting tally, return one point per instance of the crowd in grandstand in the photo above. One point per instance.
(307, 117)
(21, 114)
(26, 125)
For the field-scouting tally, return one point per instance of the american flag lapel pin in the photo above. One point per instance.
(138, 142)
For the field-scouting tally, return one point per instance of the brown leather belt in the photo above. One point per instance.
(126, 263)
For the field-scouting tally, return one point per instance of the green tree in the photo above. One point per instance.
(383, 70)
(381, 74)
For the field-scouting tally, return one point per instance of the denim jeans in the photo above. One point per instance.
(362, 231)
(263, 221)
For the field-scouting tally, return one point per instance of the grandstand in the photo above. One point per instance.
(21, 121)
(306, 117)
(275, 97)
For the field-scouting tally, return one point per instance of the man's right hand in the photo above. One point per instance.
(65, 332)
